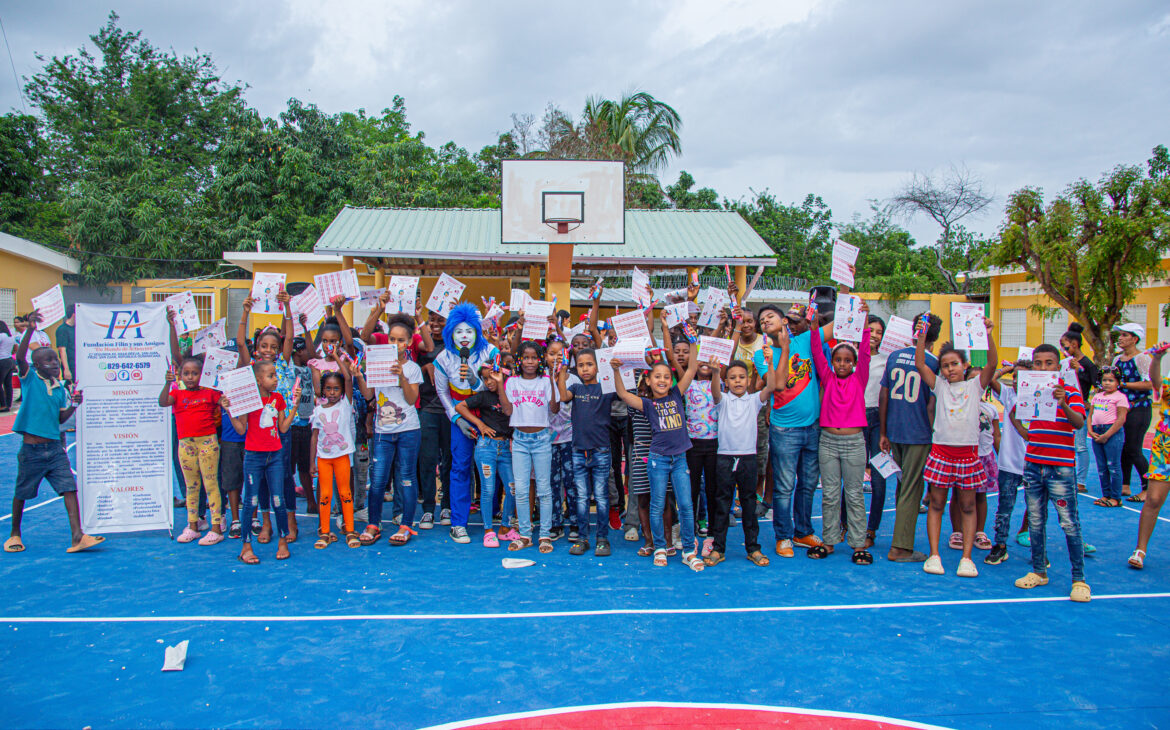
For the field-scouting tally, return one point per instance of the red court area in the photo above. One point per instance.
(662, 717)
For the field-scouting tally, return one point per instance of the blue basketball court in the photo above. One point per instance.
(436, 633)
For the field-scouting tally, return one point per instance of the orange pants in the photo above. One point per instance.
(327, 471)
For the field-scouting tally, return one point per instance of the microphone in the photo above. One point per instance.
(464, 355)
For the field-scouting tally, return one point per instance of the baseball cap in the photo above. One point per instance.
(797, 312)
(1134, 329)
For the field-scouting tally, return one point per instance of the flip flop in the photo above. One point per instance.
(1135, 497)
(14, 545)
(913, 557)
(87, 541)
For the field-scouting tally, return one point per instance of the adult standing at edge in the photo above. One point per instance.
(906, 433)
(794, 430)
(1135, 385)
(1087, 373)
(65, 345)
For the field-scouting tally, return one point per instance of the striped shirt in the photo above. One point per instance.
(1051, 442)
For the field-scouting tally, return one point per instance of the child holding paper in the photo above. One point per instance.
(842, 443)
(332, 443)
(665, 410)
(1107, 414)
(1050, 476)
(702, 426)
(954, 455)
(44, 406)
(196, 410)
(590, 447)
(736, 472)
(274, 346)
(564, 488)
(527, 399)
(397, 437)
(263, 461)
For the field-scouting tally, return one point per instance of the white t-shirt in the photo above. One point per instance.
(987, 416)
(394, 414)
(1011, 444)
(956, 412)
(7, 346)
(873, 386)
(737, 423)
(39, 339)
(335, 429)
(529, 399)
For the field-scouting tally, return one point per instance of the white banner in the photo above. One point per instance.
(124, 460)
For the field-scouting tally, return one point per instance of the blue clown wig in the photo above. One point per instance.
(465, 313)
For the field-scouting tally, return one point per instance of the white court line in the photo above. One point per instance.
(1131, 509)
(548, 614)
(35, 506)
(689, 705)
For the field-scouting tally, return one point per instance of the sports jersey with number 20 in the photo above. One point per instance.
(907, 415)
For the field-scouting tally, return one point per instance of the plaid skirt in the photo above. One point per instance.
(962, 472)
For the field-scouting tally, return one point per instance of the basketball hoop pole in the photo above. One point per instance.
(557, 273)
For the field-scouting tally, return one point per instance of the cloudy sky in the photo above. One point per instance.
(843, 98)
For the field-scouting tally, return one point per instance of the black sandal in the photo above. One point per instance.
(862, 557)
(818, 552)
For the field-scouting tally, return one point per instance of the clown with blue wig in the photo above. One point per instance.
(457, 377)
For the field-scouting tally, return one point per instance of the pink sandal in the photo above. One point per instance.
(211, 538)
(188, 535)
(510, 535)
(490, 540)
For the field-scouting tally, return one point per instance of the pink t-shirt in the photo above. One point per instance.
(1105, 405)
(843, 402)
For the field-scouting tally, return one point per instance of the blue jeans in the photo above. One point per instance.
(672, 470)
(1108, 456)
(395, 453)
(591, 472)
(564, 489)
(263, 468)
(1009, 485)
(1042, 484)
(795, 468)
(1081, 446)
(493, 458)
(532, 454)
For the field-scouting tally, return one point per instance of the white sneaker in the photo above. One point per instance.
(631, 534)
(967, 569)
(934, 566)
(427, 522)
(445, 517)
(459, 534)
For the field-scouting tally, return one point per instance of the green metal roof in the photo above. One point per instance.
(653, 237)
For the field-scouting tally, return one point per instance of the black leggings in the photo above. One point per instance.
(7, 367)
(1137, 422)
(701, 462)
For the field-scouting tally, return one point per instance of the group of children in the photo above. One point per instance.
(687, 444)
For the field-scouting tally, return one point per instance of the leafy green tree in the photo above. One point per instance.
(133, 133)
(644, 129)
(1093, 247)
(683, 198)
(800, 235)
(29, 201)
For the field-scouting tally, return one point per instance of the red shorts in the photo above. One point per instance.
(954, 466)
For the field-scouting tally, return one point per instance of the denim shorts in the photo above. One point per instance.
(43, 461)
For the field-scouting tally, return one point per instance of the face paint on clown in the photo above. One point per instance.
(463, 335)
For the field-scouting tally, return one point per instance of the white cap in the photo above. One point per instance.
(1134, 329)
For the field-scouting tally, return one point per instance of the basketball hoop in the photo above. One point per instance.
(559, 210)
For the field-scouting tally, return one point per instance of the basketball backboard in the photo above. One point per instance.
(563, 201)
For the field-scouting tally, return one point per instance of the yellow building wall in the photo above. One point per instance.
(29, 279)
(1154, 297)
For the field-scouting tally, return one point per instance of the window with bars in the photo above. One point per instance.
(1013, 327)
(1055, 326)
(204, 302)
(7, 306)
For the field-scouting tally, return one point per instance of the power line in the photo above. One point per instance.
(15, 76)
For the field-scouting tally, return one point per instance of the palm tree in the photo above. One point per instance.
(644, 130)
